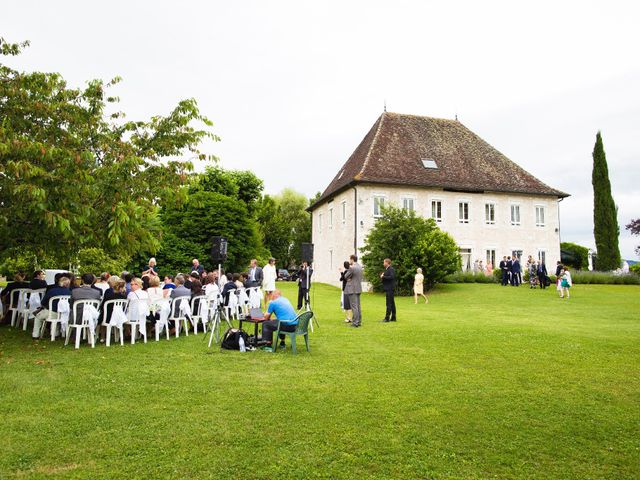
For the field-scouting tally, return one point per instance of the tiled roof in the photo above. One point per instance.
(394, 150)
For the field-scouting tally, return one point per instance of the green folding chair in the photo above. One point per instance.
(301, 329)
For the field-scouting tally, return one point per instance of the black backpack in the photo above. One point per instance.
(231, 339)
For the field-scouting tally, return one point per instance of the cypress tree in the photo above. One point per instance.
(605, 221)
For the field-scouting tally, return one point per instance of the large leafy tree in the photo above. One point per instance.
(410, 242)
(605, 215)
(74, 173)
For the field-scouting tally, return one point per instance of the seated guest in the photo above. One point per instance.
(56, 279)
(61, 289)
(283, 310)
(223, 278)
(38, 281)
(116, 291)
(145, 282)
(197, 292)
(101, 283)
(180, 290)
(239, 279)
(127, 282)
(211, 284)
(154, 291)
(86, 290)
(228, 288)
(192, 277)
(168, 285)
(137, 292)
(18, 282)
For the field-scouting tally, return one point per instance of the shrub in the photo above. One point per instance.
(411, 242)
(635, 268)
(470, 277)
(95, 260)
(575, 256)
(586, 277)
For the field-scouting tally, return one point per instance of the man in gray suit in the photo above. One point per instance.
(180, 290)
(255, 274)
(353, 288)
(87, 291)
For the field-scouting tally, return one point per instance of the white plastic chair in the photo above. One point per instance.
(137, 313)
(33, 304)
(199, 313)
(163, 307)
(118, 305)
(231, 308)
(243, 302)
(255, 297)
(54, 318)
(18, 305)
(179, 313)
(84, 319)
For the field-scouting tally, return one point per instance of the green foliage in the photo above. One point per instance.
(575, 256)
(410, 242)
(284, 225)
(242, 185)
(95, 260)
(74, 176)
(469, 277)
(635, 268)
(605, 218)
(634, 227)
(202, 216)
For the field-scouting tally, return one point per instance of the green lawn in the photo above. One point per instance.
(483, 382)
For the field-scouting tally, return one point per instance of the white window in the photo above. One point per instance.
(516, 254)
(489, 213)
(408, 204)
(491, 256)
(465, 255)
(378, 202)
(344, 213)
(436, 210)
(331, 217)
(539, 216)
(542, 256)
(515, 214)
(429, 163)
(463, 212)
(319, 222)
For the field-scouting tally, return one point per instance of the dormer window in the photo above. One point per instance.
(429, 163)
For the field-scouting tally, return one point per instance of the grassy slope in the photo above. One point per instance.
(483, 382)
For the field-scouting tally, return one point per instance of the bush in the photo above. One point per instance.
(574, 256)
(608, 278)
(635, 268)
(470, 277)
(95, 260)
(411, 242)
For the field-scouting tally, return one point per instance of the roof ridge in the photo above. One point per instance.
(373, 142)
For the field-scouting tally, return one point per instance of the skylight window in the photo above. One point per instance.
(341, 174)
(429, 163)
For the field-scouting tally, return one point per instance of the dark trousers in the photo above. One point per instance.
(515, 279)
(505, 277)
(302, 296)
(541, 280)
(391, 305)
(271, 326)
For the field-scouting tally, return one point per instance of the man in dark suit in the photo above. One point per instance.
(542, 275)
(304, 274)
(509, 270)
(255, 274)
(515, 272)
(503, 271)
(389, 285)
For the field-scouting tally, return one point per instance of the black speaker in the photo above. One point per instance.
(218, 249)
(306, 252)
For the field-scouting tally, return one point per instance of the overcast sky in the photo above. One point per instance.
(294, 86)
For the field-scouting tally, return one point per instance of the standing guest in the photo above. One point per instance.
(38, 281)
(509, 270)
(151, 269)
(353, 289)
(389, 285)
(197, 267)
(269, 279)
(533, 274)
(86, 290)
(480, 267)
(504, 271)
(168, 286)
(304, 284)
(476, 266)
(542, 274)
(101, 283)
(566, 283)
(255, 274)
(346, 306)
(488, 269)
(515, 272)
(61, 289)
(285, 314)
(418, 287)
(559, 269)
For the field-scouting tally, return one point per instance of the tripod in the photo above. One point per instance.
(307, 296)
(216, 320)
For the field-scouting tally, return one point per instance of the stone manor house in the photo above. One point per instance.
(440, 169)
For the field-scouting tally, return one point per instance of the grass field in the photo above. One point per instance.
(483, 382)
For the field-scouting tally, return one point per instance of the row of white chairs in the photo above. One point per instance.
(84, 316)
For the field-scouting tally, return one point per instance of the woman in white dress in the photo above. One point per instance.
(566, 283)
(269, 275)
(418, 287)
